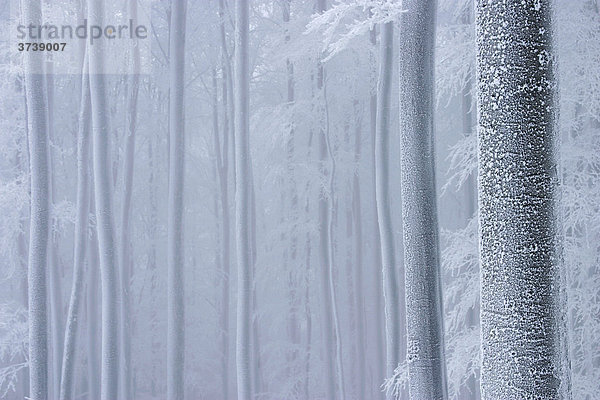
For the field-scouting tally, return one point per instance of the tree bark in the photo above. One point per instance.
(80, 236)
(93, 361)
(104, 212)
(228, 131)
(521, 320)
(377, 288)
(242, 191)
(40, 212)
(384, 215)
(54, 267)
(125, 262)
(175, 279)
(425, 331)
(359, 305)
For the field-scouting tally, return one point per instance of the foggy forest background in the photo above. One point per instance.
(156, 276)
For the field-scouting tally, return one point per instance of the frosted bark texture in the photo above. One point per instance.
(175, 279)
(104, 212)
(517, 190)
(382, 190)
(35, 93)
(81, 238)
(425, 341)
(242, 191)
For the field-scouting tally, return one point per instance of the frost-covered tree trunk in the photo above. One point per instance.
(81, 237)
(382, 184)
(104, 211)
(521, 321)
(425, 340)
(327, 328)
(125, 262)
(377, 288)
(35, 91)
(293, 323)
(225, 245)
(359, 305)
(242, 190)
(54, 267)
(175, 279)
(93, 316)
(228, 132)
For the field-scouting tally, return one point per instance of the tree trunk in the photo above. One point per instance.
(228, 131)
(384, 215)
(377, 288)
(425, 332)
(54, 268)
(40, 212)
(242, 191)
(358, 265)
(324, 245)
(520, 257)
(104, 212)
(293, 325)
(125, 243)
(93, 362)
(175, 279)
(226, 239)
(80, 236)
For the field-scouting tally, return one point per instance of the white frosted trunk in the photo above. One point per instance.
(382, 189)
(93, 315)
(377, 287)
(425, 340)
(125, 262)
(175, 279)
(358, 264)
(80, 237)
(327, 328)
(521, 320)
(104, 211)
(54, 267)
(242, 191)
(35, 87)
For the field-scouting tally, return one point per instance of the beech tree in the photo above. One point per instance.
(104, 212)
(521, 320)
(81, 238)
(425, 332)
(176, 319)
(40, 213)
(242, 191)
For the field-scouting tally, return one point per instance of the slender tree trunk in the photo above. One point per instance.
(377, 288)
(228, 131)
(293, 326)
(54, 268)
(93, 361)
(358, 266)
(257, 381)
(152, 234)
(226, 254)
(175, 280)
(80, 236)
(384, 215)
(35, 89)
(520, 254)
(427, 373)
(22, 161)
(125, 262)
(324, 246)
(242, 191)
(104, 212)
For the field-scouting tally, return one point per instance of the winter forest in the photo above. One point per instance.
(299, 199)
